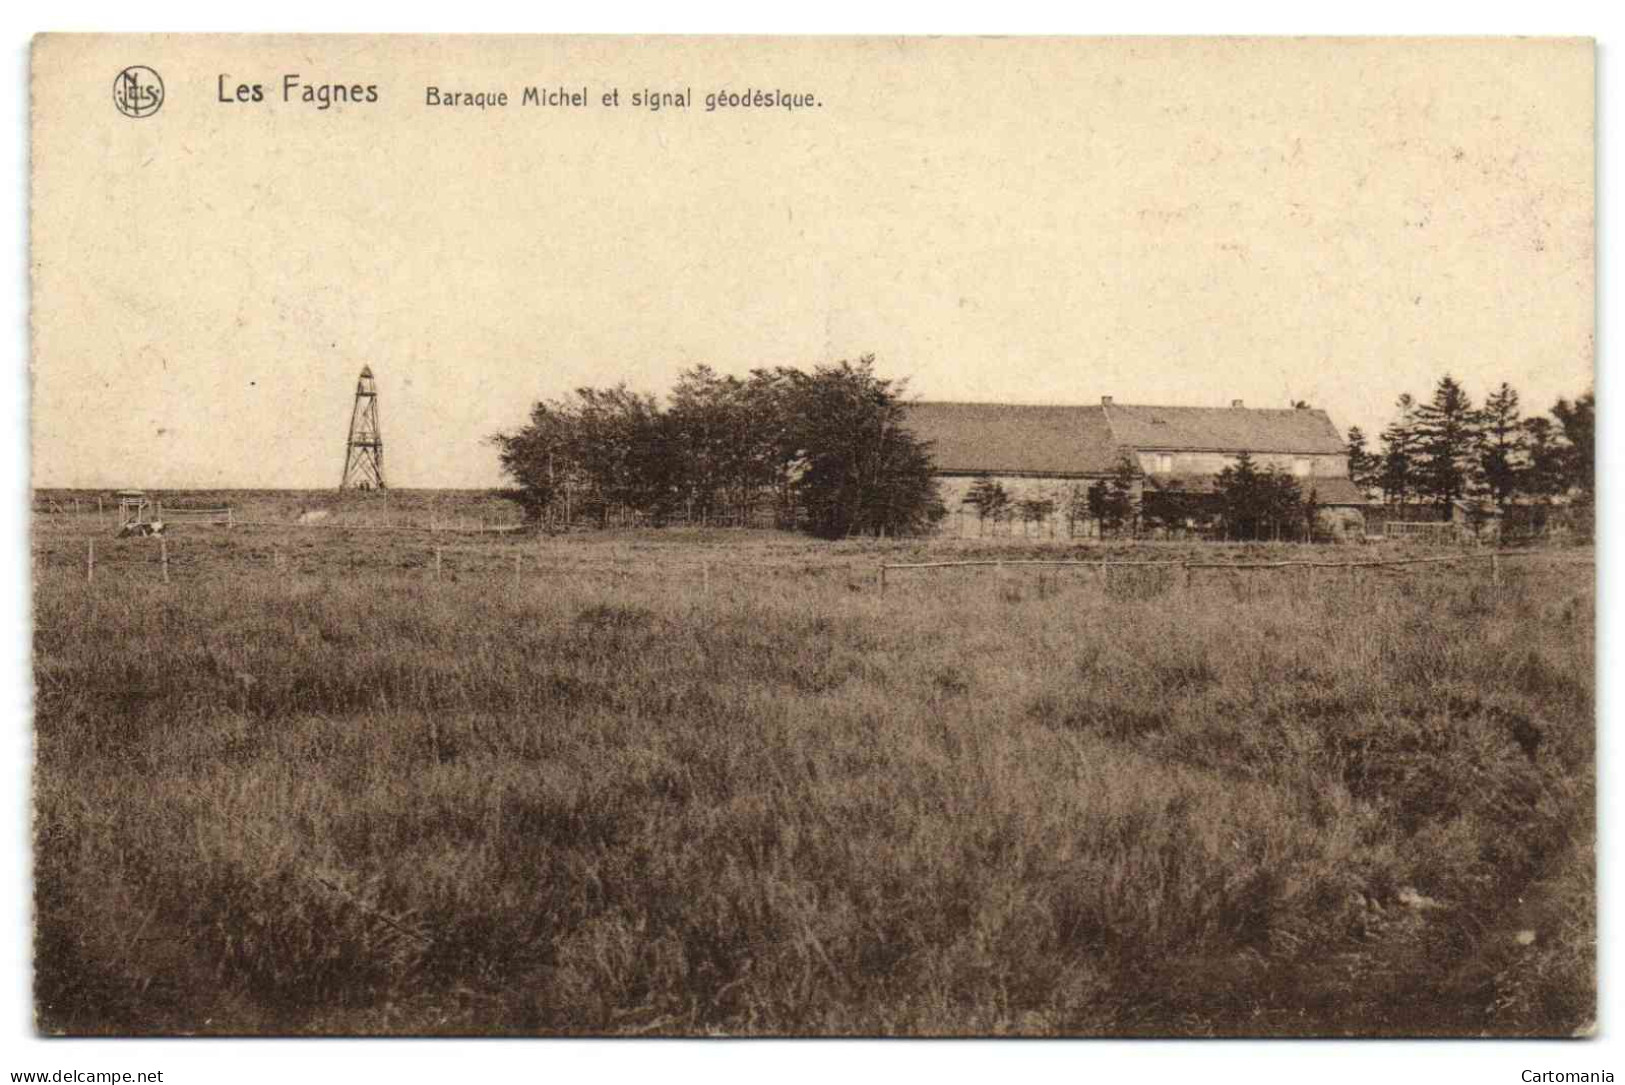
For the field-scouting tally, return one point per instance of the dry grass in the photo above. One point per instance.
(346, 798)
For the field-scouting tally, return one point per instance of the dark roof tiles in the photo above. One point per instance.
(1224, 429)
(1003, 438)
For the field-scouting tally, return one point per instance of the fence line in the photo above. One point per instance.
(1473, 556)
(1021, 561)
(1494, 557)
(622, 565)
(1330, 564)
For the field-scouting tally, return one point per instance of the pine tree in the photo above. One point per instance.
(1542, 475)
(1446, 435)
(1364, 465)
(1578, 420)
(1396, 471)
(1502, 446)
(1111, 501)
(988, 497)
(1239, 498)
(1257, 504)
(1122, 509)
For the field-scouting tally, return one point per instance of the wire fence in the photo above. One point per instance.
(1493, 558)
(162, 559)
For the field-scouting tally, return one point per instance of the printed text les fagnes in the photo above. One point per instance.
(296, 89)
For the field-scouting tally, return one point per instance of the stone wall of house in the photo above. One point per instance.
(964, 521)
(1211, 463)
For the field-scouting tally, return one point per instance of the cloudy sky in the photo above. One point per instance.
(1044, 221)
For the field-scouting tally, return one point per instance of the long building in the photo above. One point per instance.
(1043, 453)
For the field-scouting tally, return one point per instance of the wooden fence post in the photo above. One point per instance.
(90, 561)
(163, 556)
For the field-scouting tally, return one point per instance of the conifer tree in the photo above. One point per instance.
(1502, 446)
(988, 497)
(1578, 420)
(1396, 471)
(1364, 465)
(1446, 435)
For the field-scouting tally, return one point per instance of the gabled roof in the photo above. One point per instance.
(1223, 429)
(1002, 438)
(1011, 439)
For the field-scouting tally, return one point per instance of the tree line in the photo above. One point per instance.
(826, 451)
(1447, 451)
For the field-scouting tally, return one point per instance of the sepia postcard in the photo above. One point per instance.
(813, 536)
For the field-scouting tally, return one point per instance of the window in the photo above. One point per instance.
(1165, 463)
(1303, 467)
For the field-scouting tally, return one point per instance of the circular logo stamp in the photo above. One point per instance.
(137, 91)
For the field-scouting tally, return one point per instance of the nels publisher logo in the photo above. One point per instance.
(137, 91)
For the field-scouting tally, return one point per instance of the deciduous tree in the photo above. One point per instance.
(861, 469)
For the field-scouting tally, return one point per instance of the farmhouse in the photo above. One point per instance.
(1047, 456)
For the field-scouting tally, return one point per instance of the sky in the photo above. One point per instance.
(1034, 221)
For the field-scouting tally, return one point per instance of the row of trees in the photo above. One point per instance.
(1447, 450)
(827, 451)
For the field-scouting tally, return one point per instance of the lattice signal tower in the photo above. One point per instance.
(364, 451)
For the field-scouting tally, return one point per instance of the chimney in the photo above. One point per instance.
(1105, 401)
(1237, 404)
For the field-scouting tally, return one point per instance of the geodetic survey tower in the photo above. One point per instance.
(364, 452)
